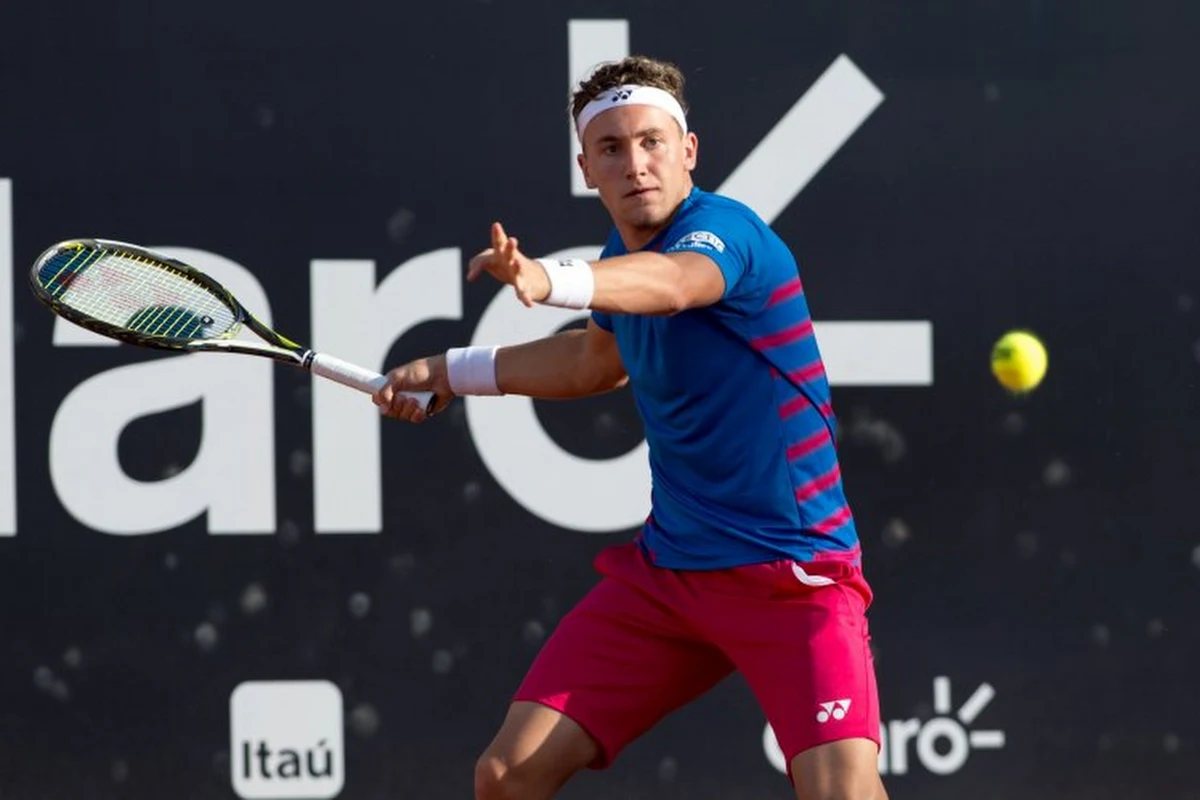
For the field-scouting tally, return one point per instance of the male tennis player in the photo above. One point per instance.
(749, 559)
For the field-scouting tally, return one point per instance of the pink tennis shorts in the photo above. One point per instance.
(647, 640)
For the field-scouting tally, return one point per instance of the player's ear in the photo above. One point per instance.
(691, 148)
(581, 159)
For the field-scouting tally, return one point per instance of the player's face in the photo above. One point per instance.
(641, 164)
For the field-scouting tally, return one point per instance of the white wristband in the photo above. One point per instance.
(472, 370)
(572, 282)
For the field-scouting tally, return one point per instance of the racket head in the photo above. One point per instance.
(128, 293)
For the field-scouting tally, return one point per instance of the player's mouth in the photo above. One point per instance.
(641, 192)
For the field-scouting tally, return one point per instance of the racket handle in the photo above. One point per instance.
(356, 377)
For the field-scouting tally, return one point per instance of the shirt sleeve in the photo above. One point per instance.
(725, 238)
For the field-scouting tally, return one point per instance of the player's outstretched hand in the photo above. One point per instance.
(505, 262)
(421, 375)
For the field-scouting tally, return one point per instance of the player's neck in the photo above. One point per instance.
(636, 237)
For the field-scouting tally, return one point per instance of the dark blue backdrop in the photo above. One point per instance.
(1033, 164)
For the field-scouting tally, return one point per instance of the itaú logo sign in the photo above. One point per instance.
(286, 740)
(940, 745)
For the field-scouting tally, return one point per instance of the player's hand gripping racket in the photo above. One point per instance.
(131, 294)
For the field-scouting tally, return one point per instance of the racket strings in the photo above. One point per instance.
(137, 293)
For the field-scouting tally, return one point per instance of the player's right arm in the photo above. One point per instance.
(574, 363)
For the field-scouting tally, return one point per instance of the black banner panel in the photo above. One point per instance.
(221, 577)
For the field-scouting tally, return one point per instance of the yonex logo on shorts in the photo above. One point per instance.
(834, 709)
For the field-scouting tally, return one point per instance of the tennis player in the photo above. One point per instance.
(749, 559)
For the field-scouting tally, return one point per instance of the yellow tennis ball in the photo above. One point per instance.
(1019, 361)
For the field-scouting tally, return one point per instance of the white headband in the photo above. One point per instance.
(630, 95)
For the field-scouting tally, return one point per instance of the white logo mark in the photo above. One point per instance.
(286, 740)
(705, 239)
(810, 580)
(943, 743)
(835, 709)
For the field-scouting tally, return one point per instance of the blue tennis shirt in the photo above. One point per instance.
(735, 405)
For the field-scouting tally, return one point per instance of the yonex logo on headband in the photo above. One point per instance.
(630, 95)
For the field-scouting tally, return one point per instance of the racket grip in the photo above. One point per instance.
(356, 377)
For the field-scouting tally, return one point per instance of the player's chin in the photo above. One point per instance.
(646, 217)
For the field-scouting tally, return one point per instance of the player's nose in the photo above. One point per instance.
(635, 162)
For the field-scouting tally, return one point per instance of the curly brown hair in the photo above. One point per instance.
(639, 70)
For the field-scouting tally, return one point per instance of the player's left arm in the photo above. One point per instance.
(696, 271)
(656, 283)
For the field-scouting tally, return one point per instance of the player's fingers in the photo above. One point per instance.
(477, 264)
(410, 409)
(382, 396)
(499, 237)
(394, 409)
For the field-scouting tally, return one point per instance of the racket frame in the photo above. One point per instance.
(275, 345)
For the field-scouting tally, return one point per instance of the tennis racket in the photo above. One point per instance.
(131, 294)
